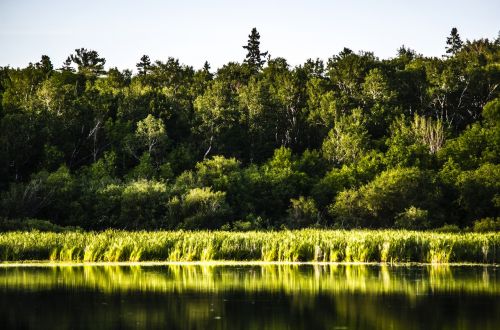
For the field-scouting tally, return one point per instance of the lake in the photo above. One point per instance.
(310, 296)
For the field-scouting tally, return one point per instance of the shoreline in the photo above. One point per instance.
(233, 263)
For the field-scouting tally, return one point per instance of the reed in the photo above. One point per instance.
(289, 246)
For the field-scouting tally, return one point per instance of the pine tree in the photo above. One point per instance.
(206, 67)
(67, 65)
(45, 65)
(454, 42)
(88, 62)
(144, 65)
(207, 75)
(255, 59)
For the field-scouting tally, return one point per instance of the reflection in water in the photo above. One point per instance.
(250, 297)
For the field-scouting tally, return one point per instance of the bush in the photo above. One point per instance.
(302, 212)
(31, 224)
(412, 218)
(199, 208)
(487, 224)
(448, 229)
(478, 191)
(378, 203)
(143, 204)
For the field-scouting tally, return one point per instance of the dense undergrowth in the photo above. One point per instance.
(299, 245)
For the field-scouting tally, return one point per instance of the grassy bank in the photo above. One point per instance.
(300, 245)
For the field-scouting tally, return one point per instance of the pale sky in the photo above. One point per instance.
(195, 31)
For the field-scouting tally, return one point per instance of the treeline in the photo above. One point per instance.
(408, 142)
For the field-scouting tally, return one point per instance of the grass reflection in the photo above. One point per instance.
(289, 279)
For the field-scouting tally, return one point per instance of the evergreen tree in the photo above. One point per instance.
(67, 65)
(205, 72)
(454, 42)
(45, 64)
(88, 61)
(255, 59)
(206, 67)
(144, 65)
(406, 52)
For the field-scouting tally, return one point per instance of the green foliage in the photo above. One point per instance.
(480, 190)
(254, 59)
(412, 218)
(357, 141)
(199, 208)
(491, 113)
(376, 86)
(7, 225)
(88, 62)
(46, 194)
(347, 141)
(475, 146)
(414, 143)
(218, 117)
(448, 229)
(142, 204)
(454, 42)
(395, 194)
(486, 225)
(135, 205)
(302, 213)
(145, 168)
(151, 132)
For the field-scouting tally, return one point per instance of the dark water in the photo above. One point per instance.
(249, 297)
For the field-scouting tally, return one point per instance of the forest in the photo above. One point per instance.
(410, 142)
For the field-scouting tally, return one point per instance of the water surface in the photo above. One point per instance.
(250, 297)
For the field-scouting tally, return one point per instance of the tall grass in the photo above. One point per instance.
(299, 245)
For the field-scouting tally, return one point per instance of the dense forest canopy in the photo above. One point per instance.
(356, 141)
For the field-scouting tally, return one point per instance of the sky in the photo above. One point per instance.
(196, 31)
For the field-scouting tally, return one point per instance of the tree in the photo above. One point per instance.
(347, 141)
(144, 65)
(45, 65)
(454, 42)
(218, 117)
(347, 72)
(202, 79)
(406, 52)
(151, 131)
(66, 67)
(413, 143)
(88, 61)
(255, 59)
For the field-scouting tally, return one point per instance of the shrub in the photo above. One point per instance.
(378, 203)
(448, 229)
(29, 224)
(199, 208)
(302, 212)
(412, 218)
(143, 204)
(487, 224)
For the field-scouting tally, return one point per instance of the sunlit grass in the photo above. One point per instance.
(287, 246)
